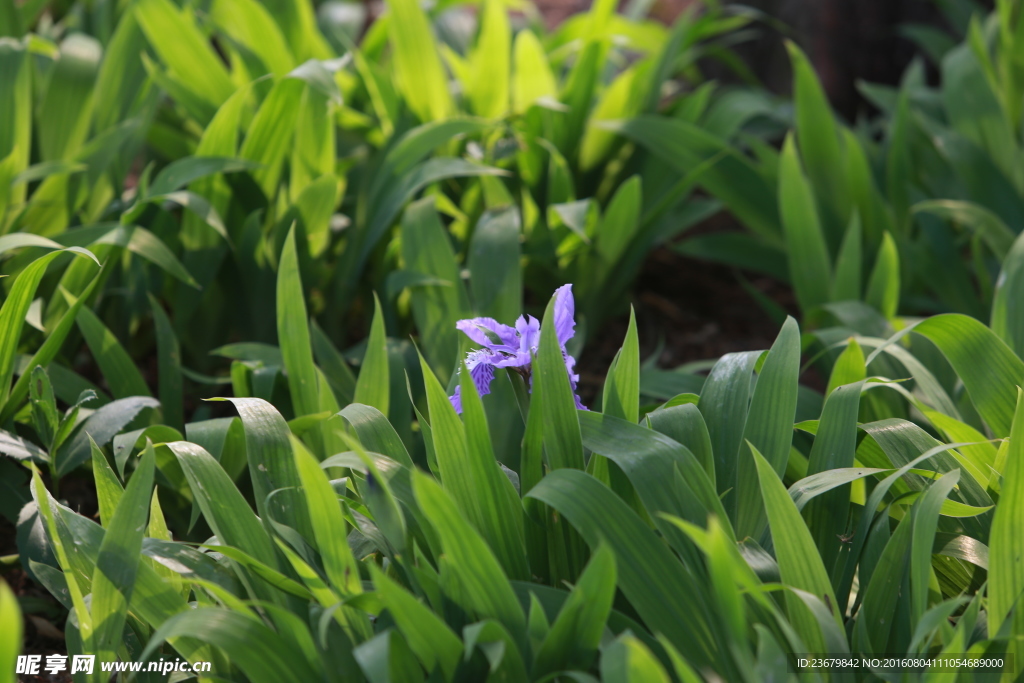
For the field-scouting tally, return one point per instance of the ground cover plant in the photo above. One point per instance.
(379, 254)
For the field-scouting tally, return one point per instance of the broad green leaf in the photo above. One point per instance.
(562, 444)
(834, 447)
(724, 173)
(846, 282)
(263, 655)
(622, 99)
(1006, 554)
(436, 309)
(576, 632)
(628, 660)
(428, 636)
(375, 433)
(169, 368)
(622, 387)
(11, 624)
(982, 222)
(986, 365)
(270, 133)
(121, 373)
(810, 267)
(799, 562)
(118, 560)
(684, 424)
(1008, 302)
(13, 312)
(271, 466)
(533, 78)
(183, 48)
(44, 355)
(880, 601)
(16, 110)
(884, 284)
(818, 134)
(926, 519)
(665, 597)
(293, 332)
(66, 109)
(494, 265)
(372, 384)
(482, 583)
(471, 476)
(769, 425)
(724, 401)
(418, 70)
(253, 27)
(490, 62)
(848, 368)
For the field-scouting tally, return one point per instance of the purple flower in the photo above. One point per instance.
(511, 347)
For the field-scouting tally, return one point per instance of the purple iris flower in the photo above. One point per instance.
(511, 347)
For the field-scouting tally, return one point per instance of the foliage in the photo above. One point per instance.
(349, 524)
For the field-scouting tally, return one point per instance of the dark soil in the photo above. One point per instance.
(692, 310)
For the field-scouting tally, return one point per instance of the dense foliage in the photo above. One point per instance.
(262, 201)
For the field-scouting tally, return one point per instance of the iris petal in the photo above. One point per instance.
(501, 336)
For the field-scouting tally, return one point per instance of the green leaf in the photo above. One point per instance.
(622, 388)
(11, 625)
(121, 373)
(118, 560)
(533, 78)
(769, 425)
(372, 384)
(848, 368)
(108, 488)
(490, 62)
(628, 660)
(495, 277)
(818, 134)
(101, 427)
(1006, 539)
(293, 332)
(13, 312)
(884, 285)
(926, 520)
(271, 466)
(1008, 302)
(987, 367)
(982, 222)
(724, 172)
(183, 48)
(16, 110)
(418, 70)
(563, 446)
(834, 447)
(251, 25)
(724, 402)
(426, 249)
(810, 267)
(846, 283)
(375, 433)
(666, 598)
(471, 476)
(271, 131)
(482, 583)
(263, 655)
(169, 368)
(575, 635)
(799, 562)
(651, 459)
(44, 355)
(428, 636)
